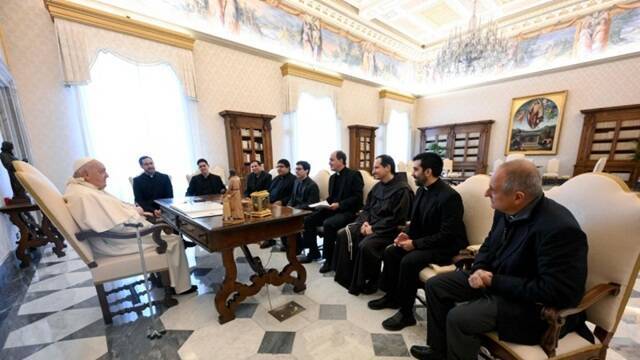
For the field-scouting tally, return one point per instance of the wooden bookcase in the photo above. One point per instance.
(362, 147)
(614, 133)
(467, 144)
(248, 139)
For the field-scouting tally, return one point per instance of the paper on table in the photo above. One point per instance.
(321, 204)
(199, 209)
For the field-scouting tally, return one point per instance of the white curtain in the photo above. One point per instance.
(80, 45)
(398, 136)
(312, 132)
(130, 110)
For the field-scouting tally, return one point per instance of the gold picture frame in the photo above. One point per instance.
(535, 122)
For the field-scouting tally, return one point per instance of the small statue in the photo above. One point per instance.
(7, 157)
(232, 211)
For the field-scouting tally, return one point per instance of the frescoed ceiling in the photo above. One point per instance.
(396, 43)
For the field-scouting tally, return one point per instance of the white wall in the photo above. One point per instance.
(227, 79)
(602, 85)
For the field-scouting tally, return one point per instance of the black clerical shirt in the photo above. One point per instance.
(436, 220)
(281, 187)
(148, 188)
(257, 182)
(345, 188)
(209, 185)
(305, 192)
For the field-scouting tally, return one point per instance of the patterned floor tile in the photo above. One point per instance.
(277, 342)
(389, 345)
(77, 349)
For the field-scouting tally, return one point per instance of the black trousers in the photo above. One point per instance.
(331, 221)
(361, 264)
(400, 273)
(456, 329)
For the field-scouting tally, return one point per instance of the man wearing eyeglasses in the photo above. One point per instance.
(280, 190)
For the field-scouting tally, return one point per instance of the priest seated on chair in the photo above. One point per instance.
(94, 209)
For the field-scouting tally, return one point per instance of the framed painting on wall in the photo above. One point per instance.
(534, 124)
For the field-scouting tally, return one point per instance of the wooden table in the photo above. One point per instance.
(32, 233)
(213, 235)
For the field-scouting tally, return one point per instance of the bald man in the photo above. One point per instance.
(535, 255)
(94, 209)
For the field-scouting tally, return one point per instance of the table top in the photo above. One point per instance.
(214, 223)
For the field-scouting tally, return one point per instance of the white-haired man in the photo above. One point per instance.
(96, 210)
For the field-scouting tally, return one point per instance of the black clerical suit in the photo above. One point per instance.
(147, 189)
(357, 257)
(305, 192)
(345, 188)
(538, 257)
(209, 185)
(281, 187)
(257, 182)
(438, 234)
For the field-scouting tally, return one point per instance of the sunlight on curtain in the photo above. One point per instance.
(398, 136)
(132, 110)
(315, 131)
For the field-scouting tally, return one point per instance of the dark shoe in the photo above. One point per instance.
(384, 302)
(425, 353)
(267, 244)
(309, 258)
(188, 244)
(370, 288)
(192, 289)
(399, 321)
(325, 268)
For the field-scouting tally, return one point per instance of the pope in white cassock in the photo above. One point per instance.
(94, 209)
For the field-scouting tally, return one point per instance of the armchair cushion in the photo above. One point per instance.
(117, 267)
(570, 344)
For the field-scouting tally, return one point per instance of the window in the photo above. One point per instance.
(315, 131)
(398, 136)
(132, 110)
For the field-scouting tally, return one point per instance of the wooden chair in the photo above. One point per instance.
(609, 216)
(103, 269)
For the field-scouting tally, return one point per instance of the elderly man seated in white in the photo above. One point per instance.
(96, 210)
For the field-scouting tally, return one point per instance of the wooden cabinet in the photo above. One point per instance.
(248, 139)
(613, 133)
(362, 144)
(467, 144)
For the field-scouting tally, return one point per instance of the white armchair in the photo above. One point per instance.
(369, 182)
(600, 164)
(514, 156)
(609, 217)
(322, 179)
(553, 169)
(103, 269)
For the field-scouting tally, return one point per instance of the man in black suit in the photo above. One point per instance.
(435, 235)
(280, 191)
(535, 255)
(150, 186)
(305, 192)
(258, 180)
(205, 183)
(345, 200)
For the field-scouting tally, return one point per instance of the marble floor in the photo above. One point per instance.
(50, 311)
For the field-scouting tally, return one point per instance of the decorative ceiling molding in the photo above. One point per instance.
(310, 74)
(388, 94)
(522, 22)
(90, 16)
(354, 24)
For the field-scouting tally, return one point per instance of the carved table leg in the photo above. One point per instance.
(299, 284)
(225, 312)
(21, 251)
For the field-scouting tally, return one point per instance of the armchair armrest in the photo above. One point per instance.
(154, 230)
(464, 259)
(556, 318)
